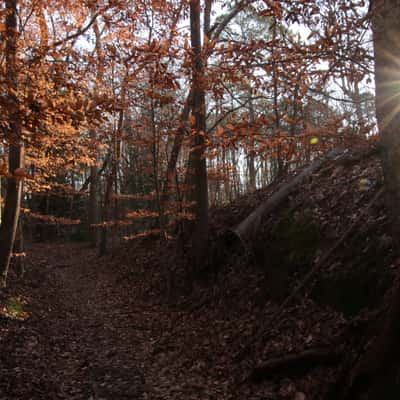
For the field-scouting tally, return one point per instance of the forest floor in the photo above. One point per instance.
(82, 338)
(79, 326)
(83, 327)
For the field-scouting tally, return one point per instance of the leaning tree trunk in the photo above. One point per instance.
(13, 136)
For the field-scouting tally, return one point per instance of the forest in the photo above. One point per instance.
(199, 199)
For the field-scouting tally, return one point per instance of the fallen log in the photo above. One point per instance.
(295, 364)
(247, 229)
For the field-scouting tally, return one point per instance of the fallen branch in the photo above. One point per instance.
(295, 364)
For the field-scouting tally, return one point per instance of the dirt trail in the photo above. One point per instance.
(77, 343)
(98, 330)
(101, 329)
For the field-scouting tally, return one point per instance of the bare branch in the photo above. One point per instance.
(219, 27)
(79, 31)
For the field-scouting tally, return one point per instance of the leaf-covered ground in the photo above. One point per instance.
(83, 327)
(90, 329)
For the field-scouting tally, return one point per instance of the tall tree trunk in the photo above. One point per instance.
(19, 248)
(93, 209)
(106, 212)
(235, 174)
(251, 152)
(111, 181)
(372, 376)
(13, 136)
(111, 186)
(93, 205)
(277, 117)
(357, 101)
(1, 200)
(115, 227)
(197, 168)
(155, 155)
(387, 74)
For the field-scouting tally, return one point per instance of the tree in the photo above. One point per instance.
(387, 74)
(93, 206)
(375, 373)
(197, 169)
(13, 135)
(44, 112)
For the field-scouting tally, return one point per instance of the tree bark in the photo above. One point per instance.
(197, 169)
(252, 186)
(13, 136)
(111, 181)
(106, 212)
(1, 200)
(93, 204)
(386, 30)
(19, 248)
(277, 116)
(373, 374)
(93, 209)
